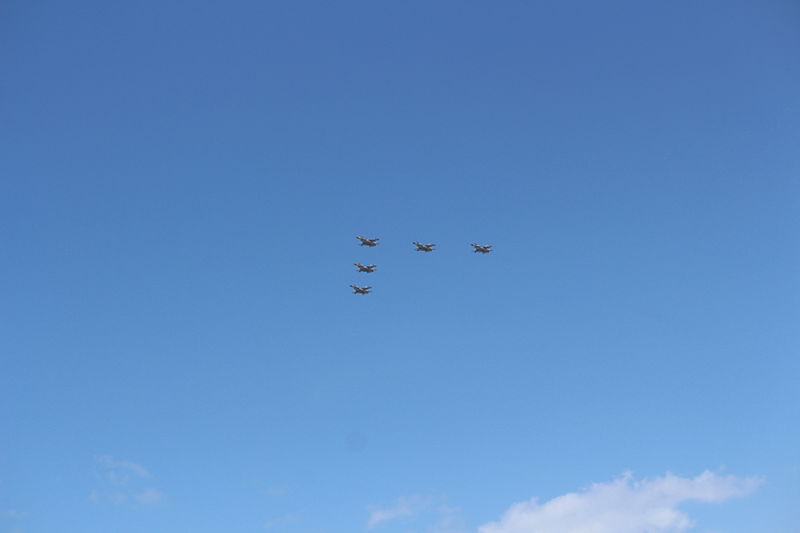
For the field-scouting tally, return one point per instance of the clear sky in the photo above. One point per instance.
(181, 184)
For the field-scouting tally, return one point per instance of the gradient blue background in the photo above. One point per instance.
(181, 184)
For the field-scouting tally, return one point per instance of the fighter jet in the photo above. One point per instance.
(367, 242)
(360, 290)
(423, 247)
(483, 249)
(365, 268)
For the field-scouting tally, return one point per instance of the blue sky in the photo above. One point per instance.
(180, 190)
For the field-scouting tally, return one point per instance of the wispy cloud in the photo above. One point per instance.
(622, 506)
(276, 491)
(427, 512)
(285, 519)
(149, 496)
(123, 481)
(120, 472)
(404, 506)
(449, 520)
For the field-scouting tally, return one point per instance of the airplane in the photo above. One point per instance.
(360, 290)
(365, 268)
(484, 249)
(423, 247)
(367, 242)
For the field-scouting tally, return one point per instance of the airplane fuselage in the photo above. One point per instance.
(360, 290)
(368, 242)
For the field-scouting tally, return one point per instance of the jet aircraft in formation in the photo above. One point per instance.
(368, 242)
(365, 268)
(478, 248)
(424, 247)
(361, 290)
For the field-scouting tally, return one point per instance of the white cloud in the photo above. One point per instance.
(403, 507)
(622, 506)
